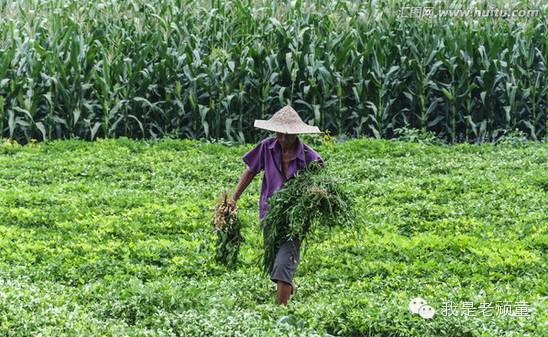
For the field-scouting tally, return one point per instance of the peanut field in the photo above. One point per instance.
(114, 238)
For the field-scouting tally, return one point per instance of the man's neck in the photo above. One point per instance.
(291, 148)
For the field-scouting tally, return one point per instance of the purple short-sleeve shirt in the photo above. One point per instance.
(267, 156)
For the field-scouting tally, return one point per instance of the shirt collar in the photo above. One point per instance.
(300, 148)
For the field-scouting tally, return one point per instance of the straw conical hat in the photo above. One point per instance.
(286, 120)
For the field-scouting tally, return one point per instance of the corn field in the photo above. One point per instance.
(208, 69)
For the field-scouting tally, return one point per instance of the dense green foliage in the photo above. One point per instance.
(197, 68)
(113, 238)
(311, 200)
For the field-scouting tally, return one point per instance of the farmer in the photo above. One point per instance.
(280, 157)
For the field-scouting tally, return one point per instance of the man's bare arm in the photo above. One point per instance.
(245, 180)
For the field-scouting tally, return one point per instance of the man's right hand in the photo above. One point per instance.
(232, 203)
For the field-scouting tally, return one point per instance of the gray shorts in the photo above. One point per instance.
(287, 260)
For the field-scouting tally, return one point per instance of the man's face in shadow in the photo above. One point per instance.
(286, 140)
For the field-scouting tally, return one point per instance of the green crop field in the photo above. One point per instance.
(199, 68)
(114, 238)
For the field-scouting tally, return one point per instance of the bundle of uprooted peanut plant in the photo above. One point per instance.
(311, 199)
(227, 225)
